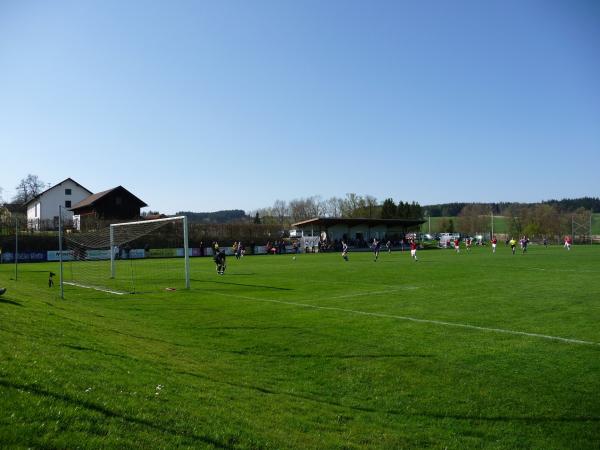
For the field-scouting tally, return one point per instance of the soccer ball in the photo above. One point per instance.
(294, 258)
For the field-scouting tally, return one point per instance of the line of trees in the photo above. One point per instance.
(501, 208)
(352, 205)
(532, 220)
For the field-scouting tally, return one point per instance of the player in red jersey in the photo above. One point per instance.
(494, 243)
(413, 250)
(568, 242)
(457, 245)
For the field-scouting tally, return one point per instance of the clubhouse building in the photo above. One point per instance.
(356, 229)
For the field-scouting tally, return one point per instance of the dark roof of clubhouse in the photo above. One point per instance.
(354, 221)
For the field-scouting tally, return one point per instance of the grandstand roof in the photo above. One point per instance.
(352, 221)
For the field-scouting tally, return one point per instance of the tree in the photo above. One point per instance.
(388, 209)
(473, 218)
(257, 219)
(280, 210)
(371, 207)
(352, 204)
(415, 211)
(28, 188)
(315, 207)
(333, 207)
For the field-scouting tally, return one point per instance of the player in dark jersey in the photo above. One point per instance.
(376, 247)
(524, 243)
(221, 262)
(344, 250)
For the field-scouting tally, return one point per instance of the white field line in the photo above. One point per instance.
(93, 287)
(413, 319)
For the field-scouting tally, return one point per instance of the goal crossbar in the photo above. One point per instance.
(186, 249)
(139, 222)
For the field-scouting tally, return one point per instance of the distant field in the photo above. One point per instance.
(596, 224)
(500, 224)
(453, 351)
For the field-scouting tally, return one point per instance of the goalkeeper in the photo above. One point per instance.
(220, 261)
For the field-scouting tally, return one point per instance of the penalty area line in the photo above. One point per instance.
(414, 319)
(70, 283)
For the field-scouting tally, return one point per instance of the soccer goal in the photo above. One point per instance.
(129, 257)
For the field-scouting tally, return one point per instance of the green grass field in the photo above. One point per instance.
(454, 351)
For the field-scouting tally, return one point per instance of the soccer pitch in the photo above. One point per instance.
(469, 350)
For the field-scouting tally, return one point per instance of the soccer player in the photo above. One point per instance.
(345, 250)
(568, 242)
(413, 250)
(50, 279)
(221, 262)
(468, 244)
(494, 243)
(545, 242)
(513, 245)
(524, 243)
(388, 244)
(376, 248)
(457, 245)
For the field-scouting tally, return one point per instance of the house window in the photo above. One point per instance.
(67, 203)
(67, 191)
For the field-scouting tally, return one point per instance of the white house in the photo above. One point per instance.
(42, 210)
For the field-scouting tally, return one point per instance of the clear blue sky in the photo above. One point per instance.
(202, 106)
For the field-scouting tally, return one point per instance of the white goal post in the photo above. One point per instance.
(116, 240)
(127, 257)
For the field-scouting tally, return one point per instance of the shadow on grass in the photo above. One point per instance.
(10, 302)
(535, 419)
(110, 413)
(242, 284)
(110, 355)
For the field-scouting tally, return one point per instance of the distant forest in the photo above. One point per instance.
(227, 216)
(564, 205)
(282, 212)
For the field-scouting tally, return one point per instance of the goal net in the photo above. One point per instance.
(129, 257)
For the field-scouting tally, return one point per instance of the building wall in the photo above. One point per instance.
(368, 233)
(51, 199)
(337, 232)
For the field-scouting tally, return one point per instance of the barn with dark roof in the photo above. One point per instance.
(116, 203)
